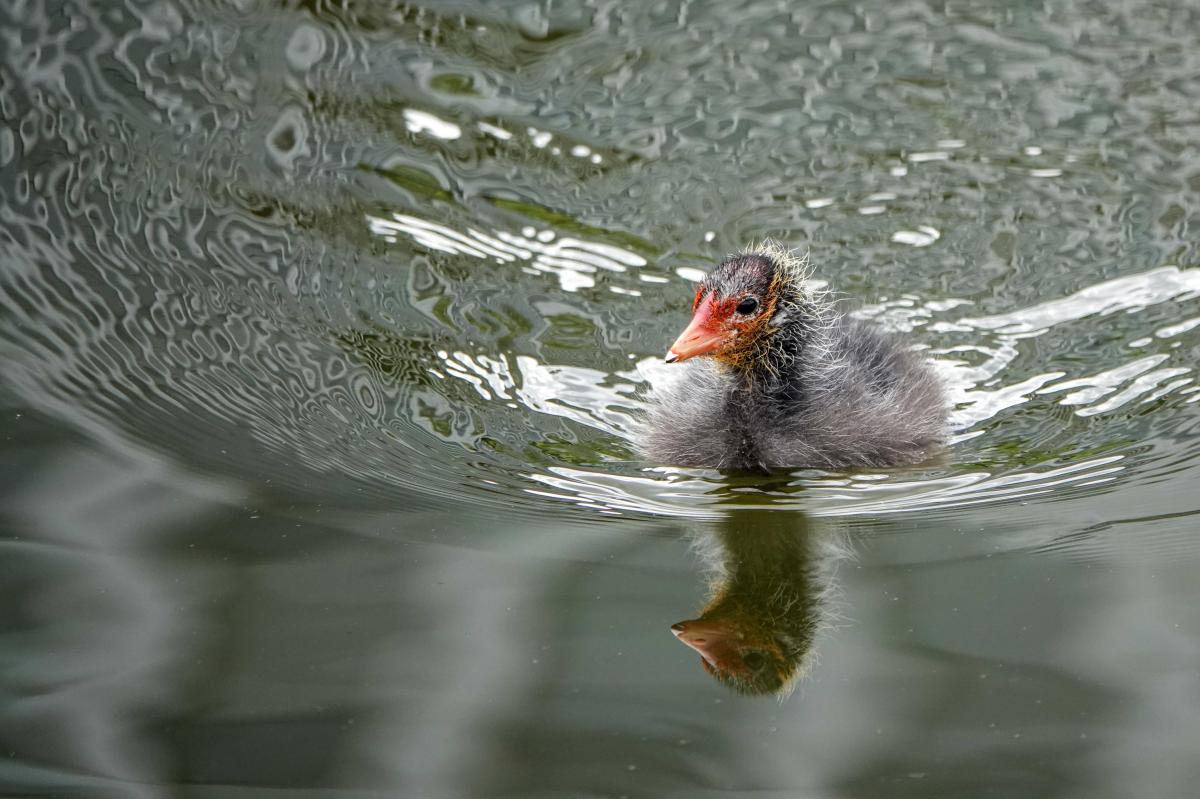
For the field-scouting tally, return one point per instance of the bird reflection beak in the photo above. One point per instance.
(710, 638)
(705, 334)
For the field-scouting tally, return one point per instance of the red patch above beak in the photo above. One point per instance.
(706, 333)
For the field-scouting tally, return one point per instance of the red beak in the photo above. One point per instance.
(704, 335)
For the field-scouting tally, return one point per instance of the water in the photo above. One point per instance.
(324, 329)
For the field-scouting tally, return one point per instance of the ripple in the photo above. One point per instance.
(360, 257)
(1129, 293)
(573, 261)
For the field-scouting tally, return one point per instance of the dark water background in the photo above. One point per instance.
(323, 329)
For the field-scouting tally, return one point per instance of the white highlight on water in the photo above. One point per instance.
(572, 260)
(424, 122)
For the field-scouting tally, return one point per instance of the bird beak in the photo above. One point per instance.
(712, 639)
(704, 335)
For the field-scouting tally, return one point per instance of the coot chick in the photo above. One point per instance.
(788, 381)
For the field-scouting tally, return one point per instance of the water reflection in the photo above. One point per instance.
(771, 577)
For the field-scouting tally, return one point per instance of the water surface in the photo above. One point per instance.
(324, 329)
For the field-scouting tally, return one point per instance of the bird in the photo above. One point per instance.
(778, 377)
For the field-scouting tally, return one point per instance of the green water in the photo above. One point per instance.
(324, 330)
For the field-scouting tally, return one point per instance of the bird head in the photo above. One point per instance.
(740, 305)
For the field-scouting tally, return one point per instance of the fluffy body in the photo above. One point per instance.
(808, 387)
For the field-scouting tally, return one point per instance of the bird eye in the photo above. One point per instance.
(748, 305)
(754, 659)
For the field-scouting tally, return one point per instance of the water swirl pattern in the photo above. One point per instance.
(396, 284)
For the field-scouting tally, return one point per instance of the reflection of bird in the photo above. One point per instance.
(789, 381)
(757, 630)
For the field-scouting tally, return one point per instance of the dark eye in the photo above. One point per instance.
(748, 305)
(754, 659)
